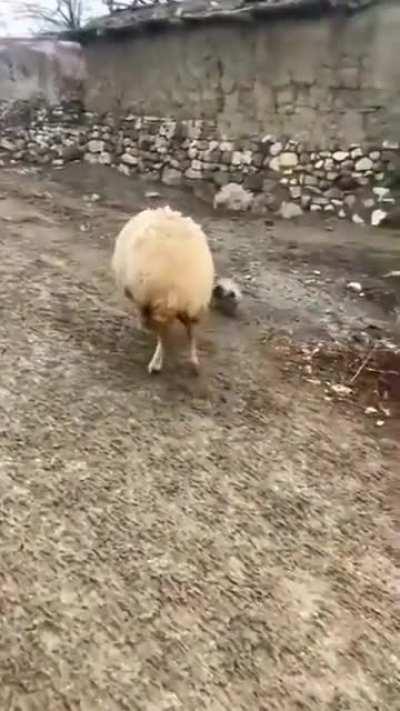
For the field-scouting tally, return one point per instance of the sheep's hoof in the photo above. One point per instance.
(194, 367)
(154, 368)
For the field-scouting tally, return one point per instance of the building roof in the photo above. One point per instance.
(175, 13)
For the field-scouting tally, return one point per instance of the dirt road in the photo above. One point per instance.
(171, 543)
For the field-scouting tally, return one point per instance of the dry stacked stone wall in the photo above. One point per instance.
(276, 173)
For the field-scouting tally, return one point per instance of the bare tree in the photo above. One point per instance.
(55, 15)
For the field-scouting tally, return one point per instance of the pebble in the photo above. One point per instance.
(341, 390)
(395, 273)
(377, 216)
(355, 286)
(371, 411)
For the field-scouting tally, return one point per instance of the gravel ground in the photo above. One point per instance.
(226, 542)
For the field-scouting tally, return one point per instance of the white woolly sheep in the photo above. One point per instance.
(163, 264)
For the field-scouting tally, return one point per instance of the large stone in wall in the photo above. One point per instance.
(233, 197)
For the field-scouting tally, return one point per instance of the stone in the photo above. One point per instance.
(334, 194)
(71, 153)
(7, 145)
(320, 201)
(128, 159)
(357, 219)
(392, 219)
(364, 164)
(290, 210)
(295, 192)
(391, 145)
(355, 286)
(192, 174)
(259, 205)
(288, 160)
(233, 197)
(237, 158)
(124, 169)
(305, 201)
(274, 164)
(375, 155)
(247, 157)
(377, 217)
(340, 156)
(91, 158)
(341, 390)
(371, 410)
(381, 193)
(310, 180)
(368, 203)
(95, 146)
(171, 176)
(275, 149)
(356, 153)
(394, 273)
(105, 159)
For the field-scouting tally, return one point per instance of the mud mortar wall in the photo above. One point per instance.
(40, 69)
(329, 81)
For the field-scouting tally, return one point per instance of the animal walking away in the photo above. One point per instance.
(162, 263)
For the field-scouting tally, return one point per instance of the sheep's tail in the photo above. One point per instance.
(157, 313)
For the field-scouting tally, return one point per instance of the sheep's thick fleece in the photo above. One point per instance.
(163, 259)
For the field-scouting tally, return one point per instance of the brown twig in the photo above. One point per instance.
(363, 364)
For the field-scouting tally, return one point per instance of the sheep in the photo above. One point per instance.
(162, 263)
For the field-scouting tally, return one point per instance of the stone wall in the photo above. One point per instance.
(275, 174)
(332, 80)
(302, 114)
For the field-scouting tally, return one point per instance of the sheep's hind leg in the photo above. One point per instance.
(194, 356)
(156, 363)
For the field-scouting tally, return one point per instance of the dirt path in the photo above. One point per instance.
(171, 543)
